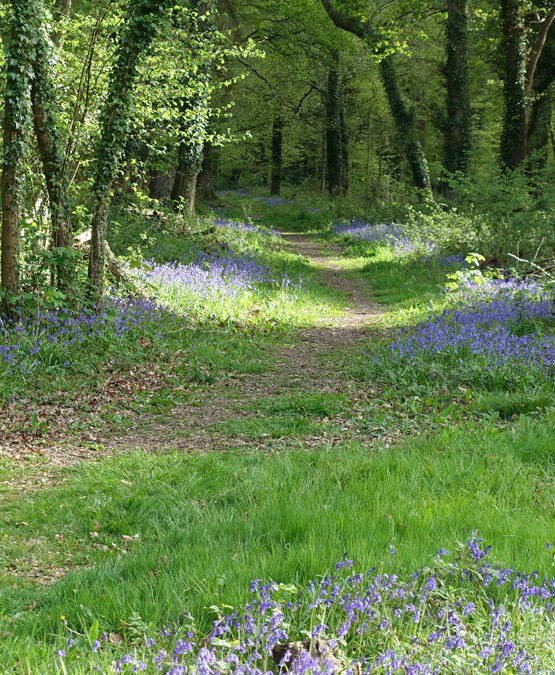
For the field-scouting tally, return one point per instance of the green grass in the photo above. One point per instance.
(208, 524)
(142, 538)
(318, 404)
(278, 426)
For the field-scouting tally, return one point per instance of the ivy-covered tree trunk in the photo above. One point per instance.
(404, 118)
(457, 142)
(405, 124)
(334, 137)
(514, 135)
(45, 120)
(145, 18)
(277, 154)
(195, 112)
(16, 119)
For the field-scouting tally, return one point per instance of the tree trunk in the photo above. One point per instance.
(195, 115)
(135, 41)
(514, 135)
(160, 185)
(277, 147)
(345, 172)
(98, 241)
(45, 120)
(16, 116)
(205, 182)
(185, 187)
(334, 140)
(405, 124)
(457, 143)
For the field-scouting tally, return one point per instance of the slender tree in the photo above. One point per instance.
(46, 125)
(334, 130)
(277, 153)
(195, 111)
(19, 59)
(138, 34)
(457, 142)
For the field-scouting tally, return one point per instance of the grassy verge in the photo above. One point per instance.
(158, 536)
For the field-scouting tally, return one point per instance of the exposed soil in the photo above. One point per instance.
(297, 366)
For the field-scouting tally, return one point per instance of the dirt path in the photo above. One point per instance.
(300, 365)
(297, 367)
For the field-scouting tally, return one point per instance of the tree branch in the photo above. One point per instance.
(537, 49)
(347, 23)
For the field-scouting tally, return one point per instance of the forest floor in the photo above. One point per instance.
(301, 363)
(145, 493)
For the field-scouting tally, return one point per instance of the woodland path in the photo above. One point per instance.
(302, 363)
(298, 366)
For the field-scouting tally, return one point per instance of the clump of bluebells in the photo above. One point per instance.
(50, 338)
(387, 234)
(210, 275)
(459, 614)
(487, 329)
(245, 227)
(485, 321)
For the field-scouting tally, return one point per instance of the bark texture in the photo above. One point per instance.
(514, 136)
(458, 127)
(18, 78)
(205, 182)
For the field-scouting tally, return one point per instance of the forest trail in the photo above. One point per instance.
(298, 366)
(303, 363)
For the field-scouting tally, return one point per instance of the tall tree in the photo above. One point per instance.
(46, 125)
(138, 34)
(195, 107)
(403, 116)
(277, 153)
(457, 142)
(16, 121)
(335, 120)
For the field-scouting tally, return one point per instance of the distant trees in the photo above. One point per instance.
(100, 103)
(403, 115)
